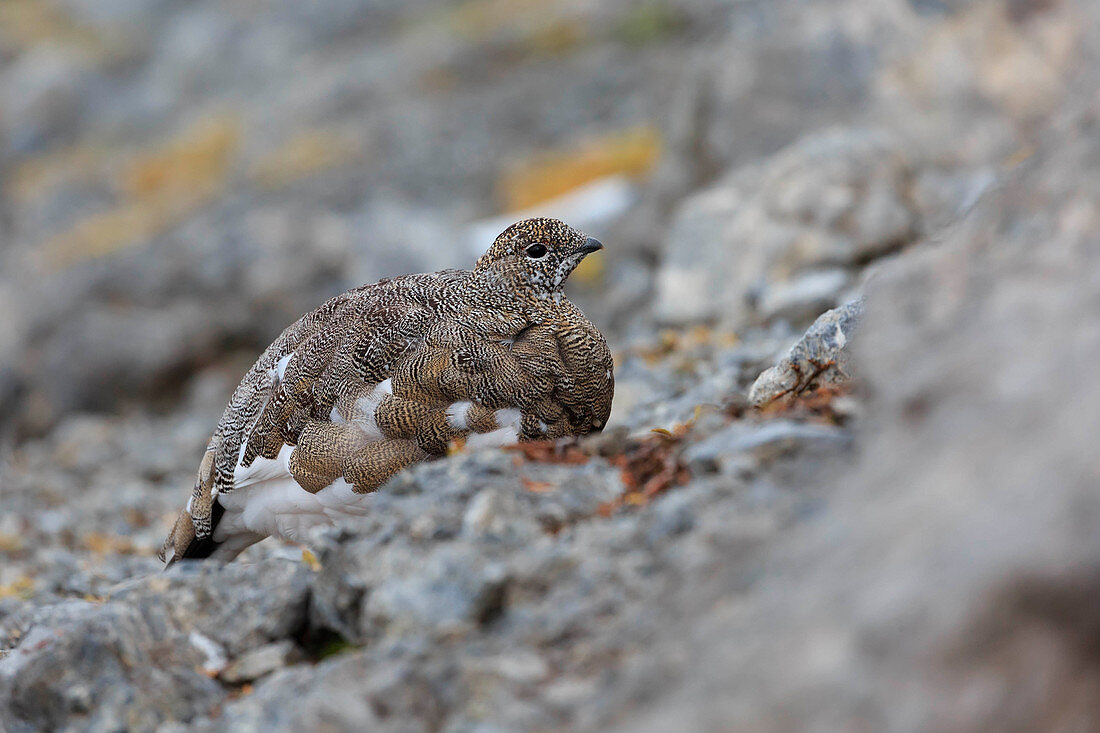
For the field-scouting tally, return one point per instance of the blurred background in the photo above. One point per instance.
(181, 180)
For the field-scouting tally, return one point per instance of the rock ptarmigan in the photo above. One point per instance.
(393, 373)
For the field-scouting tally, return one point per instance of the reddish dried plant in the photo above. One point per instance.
(816, 404)
(649, 467)
(551, 451)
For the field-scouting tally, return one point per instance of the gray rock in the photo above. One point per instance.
(82, 666)
(688, 279)
(494, 513)
(673, 515)
(43, 97)
(259, 662)
(820, 357)
(958, 556)
(754, 245)
(806, 68)
(804, 297)
(944, 196)
(444, 593)
(725, 450)
(708, 378)
(238, 606)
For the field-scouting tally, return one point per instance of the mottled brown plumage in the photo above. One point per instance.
(397, 372)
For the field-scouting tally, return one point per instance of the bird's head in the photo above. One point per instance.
(538, 254)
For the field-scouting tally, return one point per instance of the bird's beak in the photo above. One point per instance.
(592, 245)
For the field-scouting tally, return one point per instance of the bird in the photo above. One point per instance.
(397, 372)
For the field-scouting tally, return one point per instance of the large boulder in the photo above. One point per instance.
(948, 584)
(786, 237)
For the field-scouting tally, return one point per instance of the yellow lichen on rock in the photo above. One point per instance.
(22, 587)
(24, 23)
(632, 152)
(193, 164)
(156, 189)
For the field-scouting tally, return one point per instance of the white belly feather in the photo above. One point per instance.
(267, 500)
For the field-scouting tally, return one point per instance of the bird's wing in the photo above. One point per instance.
(342, 349)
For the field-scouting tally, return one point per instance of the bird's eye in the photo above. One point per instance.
(536, 251)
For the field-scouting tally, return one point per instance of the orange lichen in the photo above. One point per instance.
(536, 487)
(157, 189)
(20, 588)
(24, 23)
(194, 163)
(632, 152)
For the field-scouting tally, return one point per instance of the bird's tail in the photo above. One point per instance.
(186, 541)
(183, 542)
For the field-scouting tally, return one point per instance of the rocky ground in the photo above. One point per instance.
(852, 284)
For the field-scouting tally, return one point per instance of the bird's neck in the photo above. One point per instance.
(508, 289)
